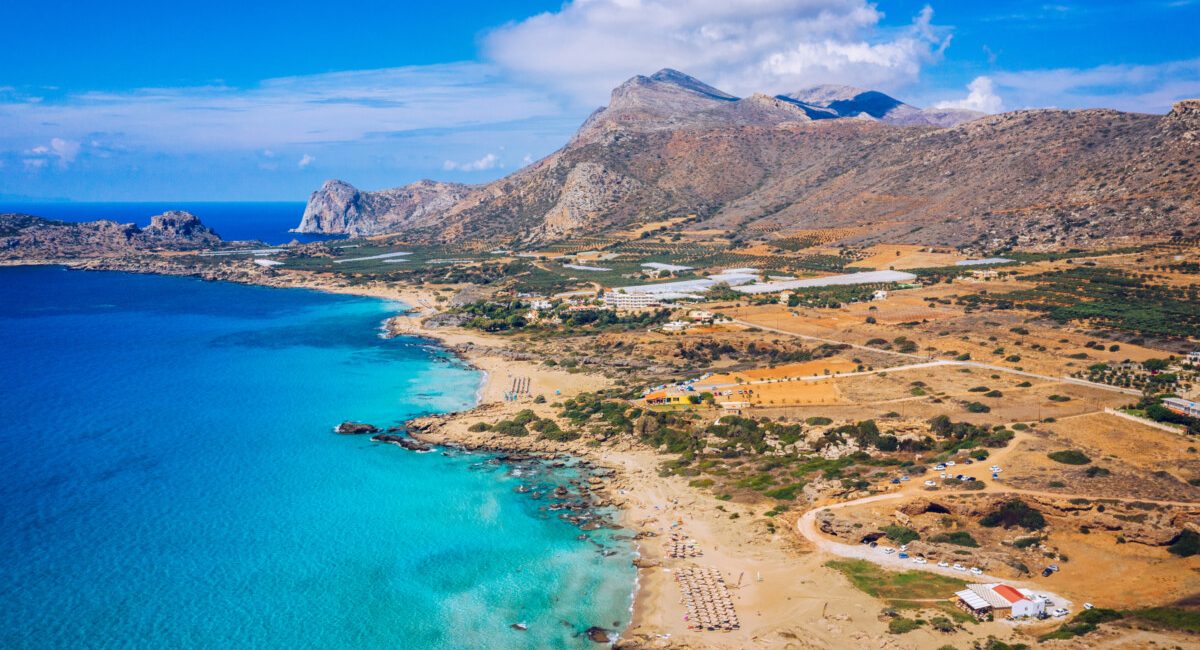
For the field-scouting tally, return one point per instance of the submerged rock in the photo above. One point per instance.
(403, 441)
(598, 634)
(355, 428)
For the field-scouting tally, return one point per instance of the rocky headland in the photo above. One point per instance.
(26, 237)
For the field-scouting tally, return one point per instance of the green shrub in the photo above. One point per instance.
(900, 534)
(1069, 457)
(478, 427)
(1174, 618)
(901, 625)
(1084, 622)
(959, 538)
(1015, 513)
(976, 407)
(1026, 542)
(942, 624)
(818, 421)
(786, 493)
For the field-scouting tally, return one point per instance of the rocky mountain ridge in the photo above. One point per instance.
(829, 156)
(25, 236)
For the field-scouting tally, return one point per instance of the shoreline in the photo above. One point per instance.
(784, 593)
(470, 348)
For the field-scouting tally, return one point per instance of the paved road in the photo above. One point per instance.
(930, 359)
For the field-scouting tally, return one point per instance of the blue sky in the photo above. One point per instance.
(249, 101)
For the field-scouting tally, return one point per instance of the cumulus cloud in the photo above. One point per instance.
(981, 96)
(488, 161)
(305, 161)
(589, 46)
(60, 151)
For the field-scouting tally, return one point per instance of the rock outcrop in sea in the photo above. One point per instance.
(24, 236)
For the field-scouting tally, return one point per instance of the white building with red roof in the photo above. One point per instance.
(982, 599)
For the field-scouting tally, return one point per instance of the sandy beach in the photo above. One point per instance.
(783, 594)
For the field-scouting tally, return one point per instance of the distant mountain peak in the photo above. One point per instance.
(849, 101)
(823, 94)
(688, 82)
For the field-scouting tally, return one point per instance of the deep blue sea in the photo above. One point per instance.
(169, 478)
(265, 222)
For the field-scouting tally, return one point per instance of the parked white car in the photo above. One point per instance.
(976, 571)
(959, 567)
(944, 564)
(1060, 612)
(1088, 606)
(949, 463)
(931, 483)
(920, 560)
(888, 550)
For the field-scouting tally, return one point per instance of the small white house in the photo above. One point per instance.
(675, 326)
(880, 295)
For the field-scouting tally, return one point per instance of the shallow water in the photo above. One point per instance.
(170, 479)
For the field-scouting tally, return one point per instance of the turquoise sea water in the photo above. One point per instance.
(169, 479)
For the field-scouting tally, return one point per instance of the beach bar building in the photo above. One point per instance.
(999, 600)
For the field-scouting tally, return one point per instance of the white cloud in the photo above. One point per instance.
(589, 46)
(488, 161)
(279, 114)
(60, 151)
(1144, 88)
(305, 161)
(981, 96)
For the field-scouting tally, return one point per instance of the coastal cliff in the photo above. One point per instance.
(24, 236)
(340, 208)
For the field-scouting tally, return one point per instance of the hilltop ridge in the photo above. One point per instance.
(826, 156)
